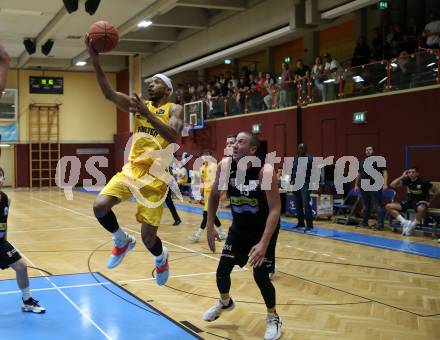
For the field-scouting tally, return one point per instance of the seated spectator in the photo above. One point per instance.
(432, 32)
(396, 41)
(361, 54)
(420, 193)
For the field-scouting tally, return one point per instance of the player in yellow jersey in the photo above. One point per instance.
(207, 177)
(157, 124)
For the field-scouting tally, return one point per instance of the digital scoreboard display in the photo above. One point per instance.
(47, 85)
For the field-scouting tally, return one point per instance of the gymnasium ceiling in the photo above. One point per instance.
(173, 21)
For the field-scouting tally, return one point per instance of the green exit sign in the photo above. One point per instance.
(256, 128)
(287, 60)
(383, 5)
(359, 117)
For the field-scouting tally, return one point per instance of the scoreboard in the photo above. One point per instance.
(46, 85)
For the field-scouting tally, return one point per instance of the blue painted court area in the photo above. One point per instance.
(340, 235)
(79, 307)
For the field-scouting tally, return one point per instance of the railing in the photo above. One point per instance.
(407, 71)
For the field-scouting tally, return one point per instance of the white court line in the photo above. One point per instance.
(60, 240)
(176, 276)
(84, 215)
(44, 230)
(85, 315)
(107, 283)
(60, 287)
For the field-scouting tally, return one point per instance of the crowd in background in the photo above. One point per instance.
(251, 91)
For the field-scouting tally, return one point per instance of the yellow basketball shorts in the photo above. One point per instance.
(206, 194)
(148, 197)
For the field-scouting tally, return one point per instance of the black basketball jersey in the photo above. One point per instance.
(4, 210)
(248, 202)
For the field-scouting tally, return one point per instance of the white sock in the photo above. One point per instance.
(161, 258)
(400, 218)
(26, 293)
(120, 234)
(225, 302)
(199, 232)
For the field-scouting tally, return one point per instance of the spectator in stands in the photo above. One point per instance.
(396, 40)
(377, 50)
(270, 100)
(254, 102)
(242, 90)
(318, 78)
(432, 32)
(371, 199)
(245, 74)
(302, 75)
(402, 73)
(331, 70)
(412, 34)
(420, 193)
(361, 54)
(286, 87)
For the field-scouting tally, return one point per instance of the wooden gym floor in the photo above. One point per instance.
(326, 289)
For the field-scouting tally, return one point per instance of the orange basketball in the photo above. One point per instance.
(103, 36)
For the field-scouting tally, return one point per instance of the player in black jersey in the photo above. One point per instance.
(10, 257)
(420, 194)
(255, 205)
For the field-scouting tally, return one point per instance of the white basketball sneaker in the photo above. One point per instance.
(215, 311)
(273, 327)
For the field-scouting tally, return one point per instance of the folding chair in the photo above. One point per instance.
(344, 213)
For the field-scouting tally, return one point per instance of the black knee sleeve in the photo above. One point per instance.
(204, 220)
(261, 276)
(223, 276)
(157, 249)
(109, 222)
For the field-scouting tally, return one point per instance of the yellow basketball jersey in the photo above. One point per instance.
(146, 138)
(207, 175)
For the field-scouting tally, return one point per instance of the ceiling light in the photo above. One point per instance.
(228, 61)
(91, 6)
(81, 63)
(71, 5)
(47, 47)
(144, 23)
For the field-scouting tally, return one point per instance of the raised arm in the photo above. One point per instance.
(121, 100)
(258, 252)
(397, 183)
(4, 67)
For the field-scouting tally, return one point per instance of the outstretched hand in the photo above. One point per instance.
(88, 41)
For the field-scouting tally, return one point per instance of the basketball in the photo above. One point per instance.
(103, 36)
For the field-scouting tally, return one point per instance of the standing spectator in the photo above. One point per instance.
(270, 98)
(432, 31)
(419, 192)
(402, 74)
(318, 78)
(371, 198)
(302, 196)
(411, 38)
(377, 50)
(362, 52)
(331, 69)
(286, 87)
(242, 91)
(302, 74)
(396, 40)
